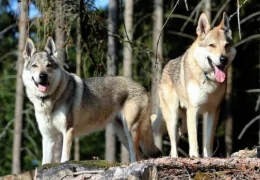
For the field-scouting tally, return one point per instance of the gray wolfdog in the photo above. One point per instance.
(196, 81)
(67, 106)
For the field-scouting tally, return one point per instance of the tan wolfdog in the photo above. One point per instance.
(196, 82)
(68, 106)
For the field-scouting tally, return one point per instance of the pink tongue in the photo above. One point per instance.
(220, 75)
(42, 88)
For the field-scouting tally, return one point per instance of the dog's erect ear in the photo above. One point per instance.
(50, 47)
(29, 49)
(203, 26)
(224, 24)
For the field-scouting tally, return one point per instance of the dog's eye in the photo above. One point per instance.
(227, 45)
(49, 65)
(212, 45)
(34, 66)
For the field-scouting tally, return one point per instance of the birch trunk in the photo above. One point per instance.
(128, 56)
(110, 148)
(19, 95)
(156, 63)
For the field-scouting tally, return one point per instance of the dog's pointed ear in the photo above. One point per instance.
(203, 26)
(50, 47)
(29, 49)
(224, 24)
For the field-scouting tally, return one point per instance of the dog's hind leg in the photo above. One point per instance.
(128, 134)
(119, 130)
(66, 146)
(145, 135)
(209, 129)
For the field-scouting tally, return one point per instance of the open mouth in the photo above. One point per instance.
(220, 75)
(41, 86)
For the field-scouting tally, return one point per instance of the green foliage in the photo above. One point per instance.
(94, 35)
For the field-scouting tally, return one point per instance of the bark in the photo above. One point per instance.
(60, 33)
(71, 170)
(78, 72)
(156, 63)
(19, 95)
(128, 56)
(229, 118)
(110, 148)
(207, 8)
(128, 20)
(112, 42)
(161, 168)
(60, 38)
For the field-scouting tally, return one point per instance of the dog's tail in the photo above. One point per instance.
(145, 136)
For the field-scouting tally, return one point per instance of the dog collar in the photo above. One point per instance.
(43, 98)
(205, 76)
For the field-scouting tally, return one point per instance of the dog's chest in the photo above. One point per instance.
(208, 94)
(50, 119)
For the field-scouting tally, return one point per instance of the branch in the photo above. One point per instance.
(7, 29)
(238, 20)
(230, 17)
(191, 15)
(249, 17)
(162, 30)
(219, 12)
(247, 126)
(253, 91)
(255, 36)
(5, 129)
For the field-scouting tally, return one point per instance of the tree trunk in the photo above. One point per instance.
(207, 9)
(60, 38)
(78, 72)
(110, 149)
(19, 95)
(156, 63)
(128, 19)
(60, 32)
(128, 57)
(229, 118)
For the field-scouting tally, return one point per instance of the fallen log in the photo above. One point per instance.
(161, 168)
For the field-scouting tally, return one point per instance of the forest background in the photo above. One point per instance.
(121, 38)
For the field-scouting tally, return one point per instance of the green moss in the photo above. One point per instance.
(96, 163)
(90, 163)
(47, 166)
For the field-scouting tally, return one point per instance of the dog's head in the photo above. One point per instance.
(213, 50)
(40, 68)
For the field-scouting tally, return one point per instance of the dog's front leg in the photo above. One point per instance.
(66, 146)
(192, 116)
(47, 148)
(209, 128)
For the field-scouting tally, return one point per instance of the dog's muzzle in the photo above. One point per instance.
(44, 83)
(219, 72)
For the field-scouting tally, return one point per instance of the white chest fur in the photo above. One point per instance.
(50, 121)
(199, 94)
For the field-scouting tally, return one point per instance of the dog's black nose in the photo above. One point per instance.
(43, 77)
(223, 60)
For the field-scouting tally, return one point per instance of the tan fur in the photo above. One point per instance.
(196, 82)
